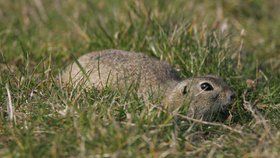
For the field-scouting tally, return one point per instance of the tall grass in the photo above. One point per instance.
(237, 40)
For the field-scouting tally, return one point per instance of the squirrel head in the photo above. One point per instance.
(205, 97)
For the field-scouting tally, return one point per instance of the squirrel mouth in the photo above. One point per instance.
(221, 116)
(225, 107)
(224, 112)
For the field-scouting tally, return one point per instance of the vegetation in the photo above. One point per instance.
(238, 40)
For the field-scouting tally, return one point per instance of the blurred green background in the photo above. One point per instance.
(60, 27)
(236, 39)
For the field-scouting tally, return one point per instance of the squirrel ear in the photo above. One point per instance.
(185, 90)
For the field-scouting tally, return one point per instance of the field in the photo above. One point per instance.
(235, 39)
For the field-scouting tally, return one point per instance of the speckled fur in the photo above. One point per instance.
(119, 69)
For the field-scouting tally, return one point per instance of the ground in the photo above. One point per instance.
(238, 40)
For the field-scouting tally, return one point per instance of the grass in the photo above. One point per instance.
(238, 40)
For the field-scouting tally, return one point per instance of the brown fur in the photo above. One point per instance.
(119, 69)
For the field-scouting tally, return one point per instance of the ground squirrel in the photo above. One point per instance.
(119, 69)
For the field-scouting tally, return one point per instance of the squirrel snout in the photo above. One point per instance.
(230, 97)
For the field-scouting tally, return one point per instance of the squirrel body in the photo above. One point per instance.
(206, 95)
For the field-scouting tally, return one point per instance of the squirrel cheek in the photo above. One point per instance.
(215, 96)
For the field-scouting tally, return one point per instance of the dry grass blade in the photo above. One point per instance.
(211, 124)
(237, 40)
(10, 110)
(258, 118)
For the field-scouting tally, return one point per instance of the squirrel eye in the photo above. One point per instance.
(206, 86)
(185, 90)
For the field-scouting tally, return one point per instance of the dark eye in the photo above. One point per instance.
(206, 86)
(185, 90)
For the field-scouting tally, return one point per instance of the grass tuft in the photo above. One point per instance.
(237, 40)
